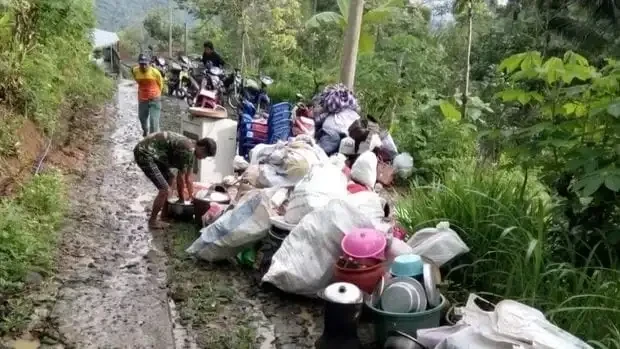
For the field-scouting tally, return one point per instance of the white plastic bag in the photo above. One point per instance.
(371, 203)
(440, 244)
(338, 160)
(371, 143)
(397, 248)
(323, 183)
(247, 223)
(364, 169)
(460, 336)
(403, 165)
(387, 144)
(239, 163)
(304, 263)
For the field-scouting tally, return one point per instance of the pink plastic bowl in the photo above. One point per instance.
(364, 243)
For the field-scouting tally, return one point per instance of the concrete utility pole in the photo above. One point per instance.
(351, 43)
(185, 39)
(170, 29)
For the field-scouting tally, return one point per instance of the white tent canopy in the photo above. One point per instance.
(102, 38)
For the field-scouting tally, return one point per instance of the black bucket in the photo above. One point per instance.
(269, 246)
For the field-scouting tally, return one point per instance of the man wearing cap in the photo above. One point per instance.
(150, 85)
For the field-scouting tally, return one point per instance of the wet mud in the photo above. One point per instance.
(112, 272)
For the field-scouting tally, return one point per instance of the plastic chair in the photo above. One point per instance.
(279, 122)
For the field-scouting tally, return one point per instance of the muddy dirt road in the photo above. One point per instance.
(114, 288)
(113, 275)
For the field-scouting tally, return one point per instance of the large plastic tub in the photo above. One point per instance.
(409, 323)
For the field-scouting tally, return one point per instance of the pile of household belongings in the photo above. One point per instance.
(340, 129)
(316, 198)
(508, 325)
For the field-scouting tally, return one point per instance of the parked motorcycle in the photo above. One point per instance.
(211, 86)
(160, 64)
(232, 89)
(179, 81)
(257, 94)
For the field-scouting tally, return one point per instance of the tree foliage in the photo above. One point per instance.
(157, 26)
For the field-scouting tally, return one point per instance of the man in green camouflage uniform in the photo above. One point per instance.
(160, 152)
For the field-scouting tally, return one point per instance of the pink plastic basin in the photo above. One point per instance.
(364, 243)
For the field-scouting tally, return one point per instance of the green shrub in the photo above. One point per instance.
(28, 229)
(45, 57)
(513, 252)
(436, 144)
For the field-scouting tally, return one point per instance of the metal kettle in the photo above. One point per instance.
(343, 307)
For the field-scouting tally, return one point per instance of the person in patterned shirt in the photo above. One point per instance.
(160, 152)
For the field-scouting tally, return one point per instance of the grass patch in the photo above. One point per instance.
(212, 306)
(9, 124)
(515, 253)
(28, 235)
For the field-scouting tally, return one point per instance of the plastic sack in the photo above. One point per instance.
(246, 223)
(239, 163)
(440, 244)
(261, 152)
(403, 165)
(304, 263)
(388, 145)
(460, 336)
(323, 183)
(510, 325)
(364, 170)
(397, 248)
(338, 160)
(329, 141)
(370, 144)
(347, 146)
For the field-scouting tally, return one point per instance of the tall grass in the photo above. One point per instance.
(28, 225)
(28, 233)
(515, 253)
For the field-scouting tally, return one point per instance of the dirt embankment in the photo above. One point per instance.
(68, 150)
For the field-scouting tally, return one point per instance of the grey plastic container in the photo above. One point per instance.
(409, 323)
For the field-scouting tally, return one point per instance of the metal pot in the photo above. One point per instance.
(401, 340)
(180, 210)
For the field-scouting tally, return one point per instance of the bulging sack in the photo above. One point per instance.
(304, 263)
(247, 223)
(323, 183)
(364, 170)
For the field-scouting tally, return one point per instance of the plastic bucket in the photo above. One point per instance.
(409, 323)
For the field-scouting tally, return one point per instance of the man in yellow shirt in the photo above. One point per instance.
(150, 85)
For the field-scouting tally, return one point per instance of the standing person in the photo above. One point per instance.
(210, 56)
(150, 85)
(160, 152)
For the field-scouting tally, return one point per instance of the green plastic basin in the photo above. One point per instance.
(409, 323)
